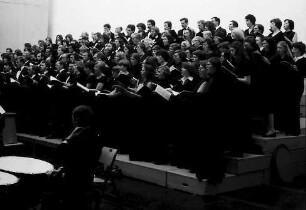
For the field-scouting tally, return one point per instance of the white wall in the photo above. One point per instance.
(30, 20)
(75, 16)
(22, 21)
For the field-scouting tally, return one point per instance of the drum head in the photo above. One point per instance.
(7, 179)
(24, 165)
(284, 165)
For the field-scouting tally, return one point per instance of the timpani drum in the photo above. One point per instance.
(8, 183)
(24, 165)
(7, 179)
(32, 174)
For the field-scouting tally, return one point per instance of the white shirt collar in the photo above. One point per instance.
(184, 79)
(298, 58)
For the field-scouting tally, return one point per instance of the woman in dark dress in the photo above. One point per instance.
(135, 65)
(216, 122)
(298, 50)
(289, 35)
(287, 91)
(276, 34)
(261, 88)
(269, 47)
(243, 68)
(90, 77)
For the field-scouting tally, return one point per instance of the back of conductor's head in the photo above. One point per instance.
(82, 116)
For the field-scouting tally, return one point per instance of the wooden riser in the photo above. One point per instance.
(145, 171)
(247, 163)
(268, 145)
(181, 179)
(298, 156)
(300, 169)
(251, 170)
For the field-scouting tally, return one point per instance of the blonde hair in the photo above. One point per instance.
(238, 34)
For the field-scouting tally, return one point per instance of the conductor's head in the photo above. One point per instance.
(82, 116)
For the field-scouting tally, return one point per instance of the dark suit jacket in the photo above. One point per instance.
(247, 33)
(62, 76)
(180, 34)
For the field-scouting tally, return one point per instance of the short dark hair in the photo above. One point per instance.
(164, 54)
(107, 25)
(251, 18)
(300, 46)
(216, 19)
(62, 63)
(225, 45)
(278, 23)
(90, 65)
(261, 28)
(291, 23)
(185, 19)
(131, 26)
(252, 42)
(142, 26)
(9, 49)
(83, 115)
(235, 23)
(169, 24)
(200, 54)
(260, 36)
(190, 67)
(142, 46)
(21, 59)
(152, 22)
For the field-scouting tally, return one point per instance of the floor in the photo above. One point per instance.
(150, 197)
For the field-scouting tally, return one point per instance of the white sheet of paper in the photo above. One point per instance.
(14, 81)
(175, 93)
(2, 111)
(163, 92)
(82, 87)
(54, 79)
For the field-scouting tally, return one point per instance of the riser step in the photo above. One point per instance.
(247, 163)
(269, 144)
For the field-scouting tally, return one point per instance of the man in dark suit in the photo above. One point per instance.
(78, 155)
(130, 29)
(219, 30)
(250, 21)
(201, 26)
(184, 24)
(62, 72)
(108, 33)
(150, 24)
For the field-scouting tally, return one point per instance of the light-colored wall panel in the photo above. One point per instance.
(75, 16)
(22, 21)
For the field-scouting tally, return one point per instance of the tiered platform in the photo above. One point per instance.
(247, 171)
(181, 179)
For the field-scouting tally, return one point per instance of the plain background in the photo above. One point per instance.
(30, 20)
